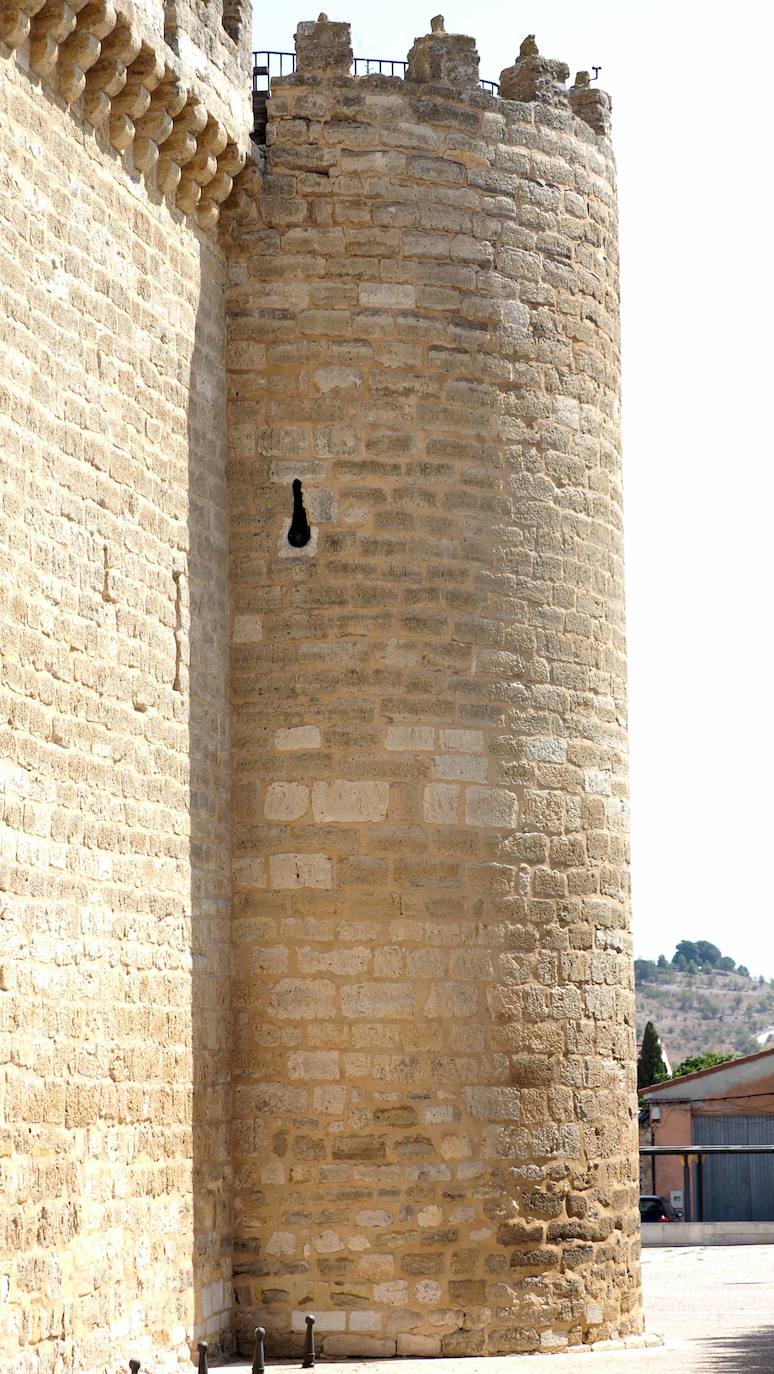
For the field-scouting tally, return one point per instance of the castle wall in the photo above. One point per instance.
(434, 1137)
(114, 1152)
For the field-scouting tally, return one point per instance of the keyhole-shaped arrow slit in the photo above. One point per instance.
(299, 533)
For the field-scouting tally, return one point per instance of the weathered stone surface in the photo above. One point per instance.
(450, 58)
(350, 801)
(590, 104)
(114, 829)
(297, 737)
(387, 766)
(455, 643)
(534, 77)
(300, 870)
(323, 47)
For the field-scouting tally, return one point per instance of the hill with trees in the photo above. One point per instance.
(701, 1001)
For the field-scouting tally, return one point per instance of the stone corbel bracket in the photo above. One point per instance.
(97, 57)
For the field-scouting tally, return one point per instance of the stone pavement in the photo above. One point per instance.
(714, 1306)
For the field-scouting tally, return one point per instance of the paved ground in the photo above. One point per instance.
(714, 1306)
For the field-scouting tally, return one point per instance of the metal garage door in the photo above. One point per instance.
(737, 1187)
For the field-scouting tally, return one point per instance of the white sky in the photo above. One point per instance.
(693, 132)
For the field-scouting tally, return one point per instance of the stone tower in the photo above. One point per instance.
(433, 1136)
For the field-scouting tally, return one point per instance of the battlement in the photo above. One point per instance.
(168, 84)
(324, 53)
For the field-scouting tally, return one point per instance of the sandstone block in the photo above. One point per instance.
(297, 737)
(314, 1064)
(545, 749)
(359, 1147)
(282, 1243)
(441, 803)
(324, 1321)
(249, 872)
(450, 58)
(460, 767)
(301, 998)
(363, 1347)
(247, 629)
(323, 47)
(493, 1104)
(328, 1242)
(491, 806)
(377, 1000)
(350, 801)
(409, 738)
(463, 741)
(373, 1218)
(286, 801)
(329, 1101)
(428, 1292)
(393, 1293)
(455, 1000)
(375, 1266)
(419, 1346)
(362, 1320)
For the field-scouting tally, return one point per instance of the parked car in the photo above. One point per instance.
(654, 1208)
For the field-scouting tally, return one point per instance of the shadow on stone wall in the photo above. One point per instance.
(204, 684)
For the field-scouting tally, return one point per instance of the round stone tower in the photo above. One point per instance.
(434, 1140)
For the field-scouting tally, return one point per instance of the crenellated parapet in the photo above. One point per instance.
(534, 77)
(181, 115)
(445, 66)
(450, 58)
(590, 104)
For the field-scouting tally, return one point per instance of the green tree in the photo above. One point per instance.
(662, 961)
(650, 1064)
(644, 971)
(695, 1062)
(696, 952)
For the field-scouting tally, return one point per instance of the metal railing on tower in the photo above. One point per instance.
(269, 62)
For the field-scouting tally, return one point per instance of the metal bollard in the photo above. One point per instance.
(203, 1367)
(258, 1357)
(308, 1360)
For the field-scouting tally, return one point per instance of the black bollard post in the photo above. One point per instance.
(258, 1357)
(308, 1360)
(203, 1367)
(134, 1366)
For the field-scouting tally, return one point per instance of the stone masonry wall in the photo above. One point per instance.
(114, 1153)
(434, 1143)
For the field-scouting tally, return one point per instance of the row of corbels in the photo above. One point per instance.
(259, 1357)
(94, 54)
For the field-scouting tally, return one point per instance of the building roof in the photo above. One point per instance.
(717, 1081)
